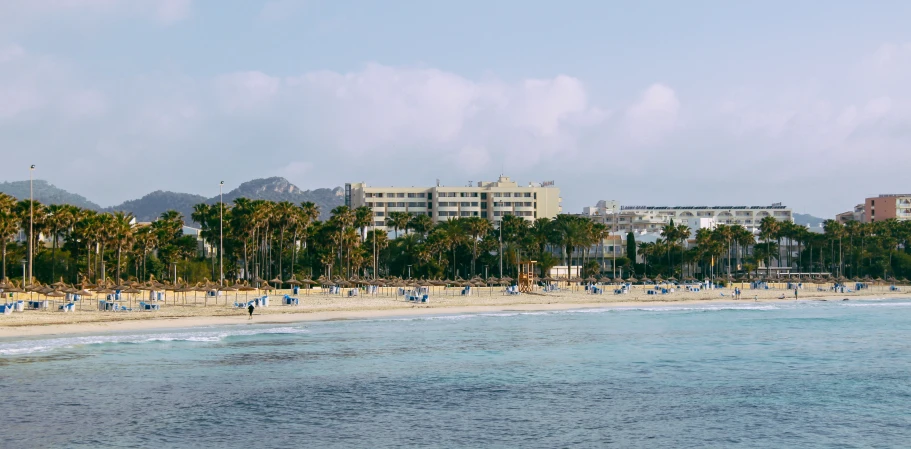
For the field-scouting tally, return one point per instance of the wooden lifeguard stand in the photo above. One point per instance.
(527, 276)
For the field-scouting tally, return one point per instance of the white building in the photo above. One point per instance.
(653, 218)
(490, 200)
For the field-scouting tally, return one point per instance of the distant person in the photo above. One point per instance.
(795, 293)
(250, 309)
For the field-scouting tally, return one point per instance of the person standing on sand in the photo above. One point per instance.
(250, 309)
(795, 293)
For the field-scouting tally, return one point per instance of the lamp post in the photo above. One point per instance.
(31, 219)
(500, 227)
(221, 234)
(409, 271)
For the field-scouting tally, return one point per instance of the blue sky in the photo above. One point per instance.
(650, 102)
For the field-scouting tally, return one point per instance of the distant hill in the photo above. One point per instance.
(150, 207)
(46, 193)
(280, 189)
(808, 220)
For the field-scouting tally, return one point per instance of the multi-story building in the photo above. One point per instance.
(653, 218)
(857, 214)
(887, 206)
(490, 200)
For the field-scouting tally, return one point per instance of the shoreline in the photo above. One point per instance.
(152, 322)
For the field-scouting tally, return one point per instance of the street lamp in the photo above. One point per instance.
(31, 220)
(221, 234)
(409, 271)
(501, 245)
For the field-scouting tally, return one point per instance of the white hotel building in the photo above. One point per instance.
(653, 218)
(490, 200)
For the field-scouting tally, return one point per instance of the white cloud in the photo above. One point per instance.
(238, 92)
(653, 115)
(31, 14)
(405, 124)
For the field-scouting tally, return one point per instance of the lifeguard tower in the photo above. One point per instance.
(527, 276)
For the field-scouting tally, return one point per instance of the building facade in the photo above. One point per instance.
(489, 200)
(887, 206)
(857, 214)
(653, 218)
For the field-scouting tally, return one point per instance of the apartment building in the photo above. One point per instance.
(490, 200)
(887, 206)
(857, 214)
(653, 218)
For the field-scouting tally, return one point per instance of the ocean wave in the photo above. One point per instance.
(878, 304)
(43, 345)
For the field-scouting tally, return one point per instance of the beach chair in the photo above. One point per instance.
(6, 309)
(239, 305)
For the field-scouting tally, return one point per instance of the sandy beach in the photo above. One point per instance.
(191, 312)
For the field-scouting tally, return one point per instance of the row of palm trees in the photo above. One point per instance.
(258, 239)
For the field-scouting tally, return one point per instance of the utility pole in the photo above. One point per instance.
(31, 219)
(374, 249)
(501, 246)
(221, 234)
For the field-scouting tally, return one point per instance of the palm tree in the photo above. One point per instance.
(453, 233)
(477, 228)
(9, 226)
(377, 241)
(398, 220)
(121, 233)
(286, 218)
(420, 223)
(768, 230)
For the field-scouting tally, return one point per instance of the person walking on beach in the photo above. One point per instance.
(795, 293)
(250, 309)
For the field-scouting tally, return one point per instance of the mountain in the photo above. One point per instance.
(150, 207)
(46, 193)
(280, 189)
(808, 220)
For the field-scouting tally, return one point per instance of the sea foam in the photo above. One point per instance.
(202, 335)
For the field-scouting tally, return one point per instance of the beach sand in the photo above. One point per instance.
(320, 306)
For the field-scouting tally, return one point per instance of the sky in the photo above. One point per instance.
(646, 102)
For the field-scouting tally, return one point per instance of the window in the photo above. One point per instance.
(400, 195)
(400, 204)
(483, 214)
(368, 195)
(377, 195)
(412, 195)
(496, 213)
(369, 204)
(379, 214)
(390, 204)
(465, 213)
(527, 195)
(474, 204)
(465, 204)
(483, 196)
(379, 223)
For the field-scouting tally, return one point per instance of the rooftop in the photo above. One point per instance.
(773, 206)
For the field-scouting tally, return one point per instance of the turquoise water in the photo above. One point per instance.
(808, 374)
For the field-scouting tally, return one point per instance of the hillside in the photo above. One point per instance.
(150, 207)
(808, 220)
(280, 189)
(46, 193)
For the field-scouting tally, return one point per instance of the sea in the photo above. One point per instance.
(807, 374)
